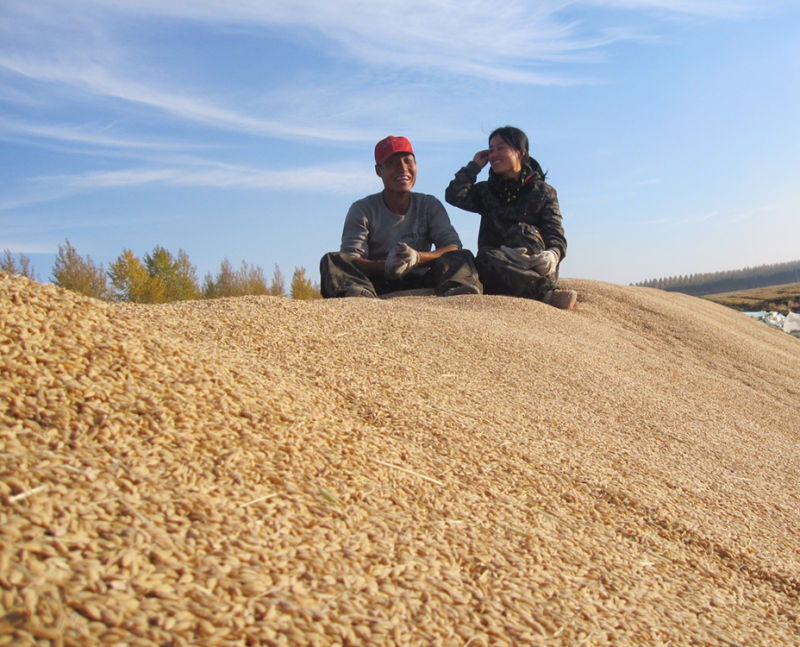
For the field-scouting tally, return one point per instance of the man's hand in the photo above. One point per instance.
(546, 262)
(400, 261)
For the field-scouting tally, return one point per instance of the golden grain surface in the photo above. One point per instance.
(409, 471)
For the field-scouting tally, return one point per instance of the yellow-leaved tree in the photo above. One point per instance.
(247, 280)
(302, 287)
(252, 279)
(132, 282)
(160, 279)
(73, 272)
(277, 288)
(24, 268)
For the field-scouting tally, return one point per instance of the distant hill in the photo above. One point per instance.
(749, 278)
(778, 298)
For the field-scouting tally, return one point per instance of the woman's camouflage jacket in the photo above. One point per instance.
(532, 221)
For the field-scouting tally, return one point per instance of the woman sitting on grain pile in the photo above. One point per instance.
(521, 241)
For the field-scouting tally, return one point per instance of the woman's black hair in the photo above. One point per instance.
(515, 138)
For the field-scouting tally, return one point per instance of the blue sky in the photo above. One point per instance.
(245, 129)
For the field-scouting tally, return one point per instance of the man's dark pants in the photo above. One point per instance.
(450, 270)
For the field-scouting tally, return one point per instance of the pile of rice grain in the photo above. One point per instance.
(410, 471)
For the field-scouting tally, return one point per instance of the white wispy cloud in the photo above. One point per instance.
(16, 247)
(340, 180)
(79, 45)
(683, 220)
(729, 217)
(59, 49)
(788, 209)
(90, 134)
(725, 9)
(15, 96)
(407, 34)
(99, 81)
(186, 171)
(12, 204)
(511, 42)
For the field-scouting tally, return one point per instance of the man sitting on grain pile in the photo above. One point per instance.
(387, 238)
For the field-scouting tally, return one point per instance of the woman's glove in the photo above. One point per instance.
(519, 255)
(546, 262)
(400, 261)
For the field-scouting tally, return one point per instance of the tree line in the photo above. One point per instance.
(160, 277)
(698, 285)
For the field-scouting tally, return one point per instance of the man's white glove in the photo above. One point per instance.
(400, 261)
(546, 262)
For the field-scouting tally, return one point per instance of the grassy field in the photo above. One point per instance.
(779, 298)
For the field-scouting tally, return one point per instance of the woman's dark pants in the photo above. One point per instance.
(500, 275)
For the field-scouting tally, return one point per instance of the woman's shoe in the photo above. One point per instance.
(562, 299)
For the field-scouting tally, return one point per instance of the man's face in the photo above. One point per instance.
(399, 172)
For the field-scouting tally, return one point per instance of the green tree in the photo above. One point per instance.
(72, 272)
(224, 285)
(302, 287)
(7, 264)
(187, 277)
(208, 291)
(277, 288)
(132, 282)
(177, 274)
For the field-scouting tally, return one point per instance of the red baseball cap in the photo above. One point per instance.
(385, 148)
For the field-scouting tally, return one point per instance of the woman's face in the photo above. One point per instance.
(505, 160)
